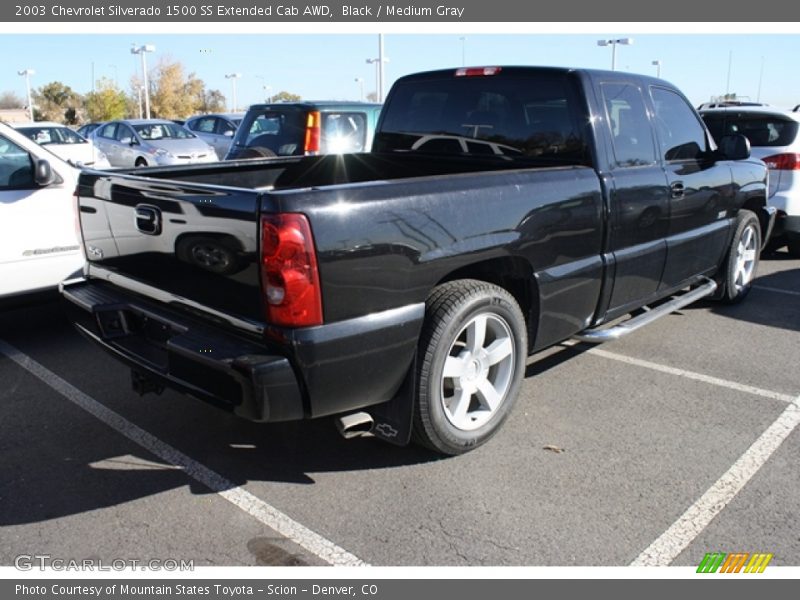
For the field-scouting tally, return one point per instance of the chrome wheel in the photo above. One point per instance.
(746, 253)
(478, 372)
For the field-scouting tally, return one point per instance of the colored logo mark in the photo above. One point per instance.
(736, 562)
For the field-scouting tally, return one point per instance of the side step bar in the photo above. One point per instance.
(599, 335)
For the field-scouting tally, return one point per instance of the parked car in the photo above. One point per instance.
(39, 245)
(305, 128)
(64, 143)
(773, 136)
(403, 289)
(217, 129)
(145, 142)
(87, 129)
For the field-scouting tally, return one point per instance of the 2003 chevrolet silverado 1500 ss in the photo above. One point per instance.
(501, 211)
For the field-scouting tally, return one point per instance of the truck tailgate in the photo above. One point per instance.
(186, 244)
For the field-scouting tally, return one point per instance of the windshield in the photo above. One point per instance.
(533, 116)
(52, 135)
(162, 131)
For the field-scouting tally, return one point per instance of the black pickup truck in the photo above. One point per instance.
(502, 210)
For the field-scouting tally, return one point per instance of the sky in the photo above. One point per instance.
(321, 66)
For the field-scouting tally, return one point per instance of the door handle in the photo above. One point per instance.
(677, 189)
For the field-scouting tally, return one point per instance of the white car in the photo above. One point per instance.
(39, 242)
(774, 136)
(64, 143)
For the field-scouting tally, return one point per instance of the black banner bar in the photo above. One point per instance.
(376, 11)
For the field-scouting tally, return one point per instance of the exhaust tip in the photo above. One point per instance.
(355, 425)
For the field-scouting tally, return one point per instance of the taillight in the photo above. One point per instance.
(478, 71)
(785, 162)
(313, 126)
(289, 274)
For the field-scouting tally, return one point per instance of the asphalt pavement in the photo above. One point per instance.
(678, 440)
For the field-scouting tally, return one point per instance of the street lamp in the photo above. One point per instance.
(360, 82)
(463, 51)
(233, 77)
(378, 82)
(613, 44)
(267, 93)
(657, 65)
(27, 74)
(143, 50)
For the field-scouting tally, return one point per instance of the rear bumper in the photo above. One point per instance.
(303, 373)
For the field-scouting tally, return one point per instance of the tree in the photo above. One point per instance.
(174, 95)
(107, 102)
(11, 100)
(58, 102)
(284, 96)
(372, 97)
(213, 102)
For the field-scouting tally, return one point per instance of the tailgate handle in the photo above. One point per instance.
(148, 219)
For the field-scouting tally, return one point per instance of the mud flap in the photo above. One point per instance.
(393, 419)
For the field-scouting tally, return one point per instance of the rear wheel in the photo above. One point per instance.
(741, 261)
(140, 162)
(471, 362)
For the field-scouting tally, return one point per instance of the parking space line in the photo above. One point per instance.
(254, 506)
(698, 516)
(731, 385)
(777, 290)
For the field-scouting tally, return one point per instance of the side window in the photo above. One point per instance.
(681, 135)
(124, 134)
(16, 166)
(224, 126)
(344, 132)
(631, 133)
(108, 131)
(204, 125)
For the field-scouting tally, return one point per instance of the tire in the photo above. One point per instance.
(140, 162)
(256, 152)
(471, 360)
(794, 248)
(741, 260)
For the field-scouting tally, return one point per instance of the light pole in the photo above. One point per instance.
(233, 77)
(360, 82)
(378, 78)
(267, 94)
(657, 65)
(143, 50)
(27, 74)
(613, 44)
(463, 51)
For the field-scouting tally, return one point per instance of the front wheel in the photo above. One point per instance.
(741, 260)
(471, 362)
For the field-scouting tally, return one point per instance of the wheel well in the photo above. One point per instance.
(514, 274)
(756, 204)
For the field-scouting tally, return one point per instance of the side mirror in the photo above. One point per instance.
(228, 133)
(734, 147)
(43, 173)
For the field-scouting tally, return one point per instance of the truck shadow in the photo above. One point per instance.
(57, 460)
(774, 300)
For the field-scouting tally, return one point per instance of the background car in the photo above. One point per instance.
(146, 142)
(39, 245)
(773, 135)
(64, 143)
(298, 128)
(86, 129)
(217, 129)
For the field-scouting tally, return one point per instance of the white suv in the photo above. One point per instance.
(773, 135)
